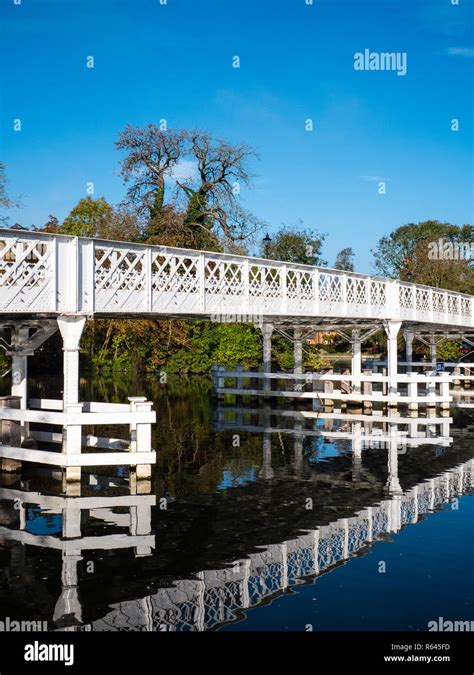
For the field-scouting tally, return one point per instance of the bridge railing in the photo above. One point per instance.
(60, 274)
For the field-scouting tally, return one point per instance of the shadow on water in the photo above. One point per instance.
(248, 511)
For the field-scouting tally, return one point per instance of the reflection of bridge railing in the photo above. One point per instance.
(131, 512)
(59, 274)
(362, 430)
(216, 597)
(329, 387)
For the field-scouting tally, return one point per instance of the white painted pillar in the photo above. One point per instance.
(267, 330)
(266, 472)
(433, 347)
(393, 484)
(71, 328)
(409, 337)
(140, 525)
(68, 604)
(298, 450)
(71, 516)
(245, 591)
(356, 365)
(19, 358)
(315, 534)
(140, 434)
(356, 440)
(392, 328)
(298, 351)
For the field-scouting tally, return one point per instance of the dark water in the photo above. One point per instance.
(254, 519)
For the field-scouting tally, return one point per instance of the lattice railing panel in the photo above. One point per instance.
(224, 277)
(378, 294)
(331, 288)
(423, 303)
(300, 285)
(265, 282)
(406, 296)
(357, 292)
(175, 274)
(61, 274)
(26, 275)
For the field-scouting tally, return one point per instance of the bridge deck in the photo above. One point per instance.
(46, 275)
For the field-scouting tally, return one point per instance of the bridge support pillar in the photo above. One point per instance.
(266, 471)
(267, 331)
(19, 354)
(393, 486)
(298, 450)
(433, 347)
(71, 328)
(356, 364)
(409, 337)
(298, 351)
(392, 328)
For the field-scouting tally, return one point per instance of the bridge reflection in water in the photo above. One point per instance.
(211, 597)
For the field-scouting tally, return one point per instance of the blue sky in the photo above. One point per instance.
(174, 61)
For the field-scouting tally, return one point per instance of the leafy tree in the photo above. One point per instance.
(449, 350)
(412, 252)
(295, 244)
(89, 218)
(345, 260)
(51, 225)
(238, 343)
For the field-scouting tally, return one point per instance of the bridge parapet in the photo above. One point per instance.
(56, 274)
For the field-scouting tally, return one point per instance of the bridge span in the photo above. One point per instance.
(50, 282)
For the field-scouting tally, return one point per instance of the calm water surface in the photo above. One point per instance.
(255, 519)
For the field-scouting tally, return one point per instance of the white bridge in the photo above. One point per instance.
(52, 281)
(46, 275)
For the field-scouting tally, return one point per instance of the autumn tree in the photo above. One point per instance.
(150, 155)
(213, 209)
(416, 252)
(51, 225)
(202, 208)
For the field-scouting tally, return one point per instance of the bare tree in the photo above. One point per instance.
(6, 202)
(212, 199)
(205, 207)
(151, 155)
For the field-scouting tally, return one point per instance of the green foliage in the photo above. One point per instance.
(237, 343)
(407, 254)
(296, 244)
(313, 358)
(158, 200)
(449, 350)
(89, 218)
(345, 260)
(209, 343)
